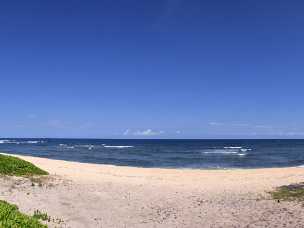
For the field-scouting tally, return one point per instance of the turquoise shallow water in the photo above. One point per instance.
(210, 154)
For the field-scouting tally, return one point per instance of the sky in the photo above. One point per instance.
(152, 69)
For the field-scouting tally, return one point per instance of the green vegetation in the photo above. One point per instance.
(289, 192)
(10, 217)
(13, 166)
(41, 216)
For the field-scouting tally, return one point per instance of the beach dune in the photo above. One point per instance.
(93, 195)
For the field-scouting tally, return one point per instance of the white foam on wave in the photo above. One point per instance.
(118, 147)
(242, 154)
(245, 150)
(218, 151)
(234, 151)
(6, 141)
(89, 147)
(32, 142)
(233, 147)
(65, 146)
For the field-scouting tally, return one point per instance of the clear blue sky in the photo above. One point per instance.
(152, 69)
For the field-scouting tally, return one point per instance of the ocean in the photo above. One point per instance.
(195, 154)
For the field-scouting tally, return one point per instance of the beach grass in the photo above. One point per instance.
(11, 217)
(290, 192)
(41, 216)
(13, 166)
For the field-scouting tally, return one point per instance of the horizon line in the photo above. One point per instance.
(151, 138)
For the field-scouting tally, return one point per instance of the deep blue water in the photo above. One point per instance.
(165, 153)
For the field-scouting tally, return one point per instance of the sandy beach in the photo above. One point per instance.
(92, 195)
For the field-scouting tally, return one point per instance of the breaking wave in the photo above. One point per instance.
(231, 150)
(91, 147)
(219, 151)
(6, 141)
(119, 147)
(233, 147)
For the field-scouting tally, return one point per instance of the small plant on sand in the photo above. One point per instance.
(289, 192)
(10, 217)
(41, 216)
(38, 180)
(13, 166)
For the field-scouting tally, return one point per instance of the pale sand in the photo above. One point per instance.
(89, 195)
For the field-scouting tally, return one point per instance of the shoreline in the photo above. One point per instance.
(155, 168)
(229, 179)
(95, 195)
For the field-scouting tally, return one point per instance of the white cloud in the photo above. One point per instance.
(148, 132)
(240, 125)
(279, 134)
(126, 132)
(215, 123)
(263, 126)
(229, 124)
(293, 133)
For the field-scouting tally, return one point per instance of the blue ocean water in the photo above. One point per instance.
(200, 154)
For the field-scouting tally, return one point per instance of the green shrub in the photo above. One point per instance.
(13, 166)
(10, 217)
(41, 216)
(289, 192)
